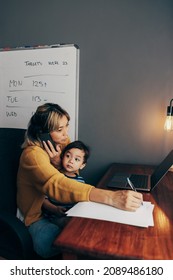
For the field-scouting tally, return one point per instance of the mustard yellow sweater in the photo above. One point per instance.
(37, 177)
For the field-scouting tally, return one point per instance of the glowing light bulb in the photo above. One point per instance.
(168, 126)
(168, 123)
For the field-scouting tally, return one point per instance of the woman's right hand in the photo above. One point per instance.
(124, 199)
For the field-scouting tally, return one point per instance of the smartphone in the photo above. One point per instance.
(45, 137)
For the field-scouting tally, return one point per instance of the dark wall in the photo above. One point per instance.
(126, 69)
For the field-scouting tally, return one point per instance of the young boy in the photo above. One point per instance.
(73, 159)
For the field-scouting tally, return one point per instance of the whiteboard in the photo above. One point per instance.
(30, 77)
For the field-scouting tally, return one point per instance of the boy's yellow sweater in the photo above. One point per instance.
(37, 177)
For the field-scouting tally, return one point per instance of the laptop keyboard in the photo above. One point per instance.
(139, 181)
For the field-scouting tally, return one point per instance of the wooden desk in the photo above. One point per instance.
(95, 239)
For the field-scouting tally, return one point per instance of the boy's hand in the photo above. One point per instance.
(60, 211)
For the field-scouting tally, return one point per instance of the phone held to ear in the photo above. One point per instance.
(45, 137)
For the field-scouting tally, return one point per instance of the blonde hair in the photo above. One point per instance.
(45, 120)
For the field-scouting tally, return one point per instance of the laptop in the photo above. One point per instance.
(142, 182)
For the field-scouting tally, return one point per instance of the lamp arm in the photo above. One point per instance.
(171, 102)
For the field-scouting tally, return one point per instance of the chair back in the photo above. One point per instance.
(10, 150)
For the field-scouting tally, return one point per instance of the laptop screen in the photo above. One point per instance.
(161, 169)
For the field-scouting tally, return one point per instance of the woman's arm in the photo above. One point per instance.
(124, 199)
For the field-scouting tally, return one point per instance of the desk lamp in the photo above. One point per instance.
(169, 119)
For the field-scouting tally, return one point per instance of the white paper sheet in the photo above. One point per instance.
(142, 217)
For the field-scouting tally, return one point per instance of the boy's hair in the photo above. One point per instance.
(77, 145)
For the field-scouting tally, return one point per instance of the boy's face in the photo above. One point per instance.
(73, 160)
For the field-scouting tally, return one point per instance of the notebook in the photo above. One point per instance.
(142, 182)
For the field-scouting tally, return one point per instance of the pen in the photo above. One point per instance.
(132, 186)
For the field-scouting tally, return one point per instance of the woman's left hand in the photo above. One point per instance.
(54, 155)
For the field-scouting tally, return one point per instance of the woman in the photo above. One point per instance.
(38, 176)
